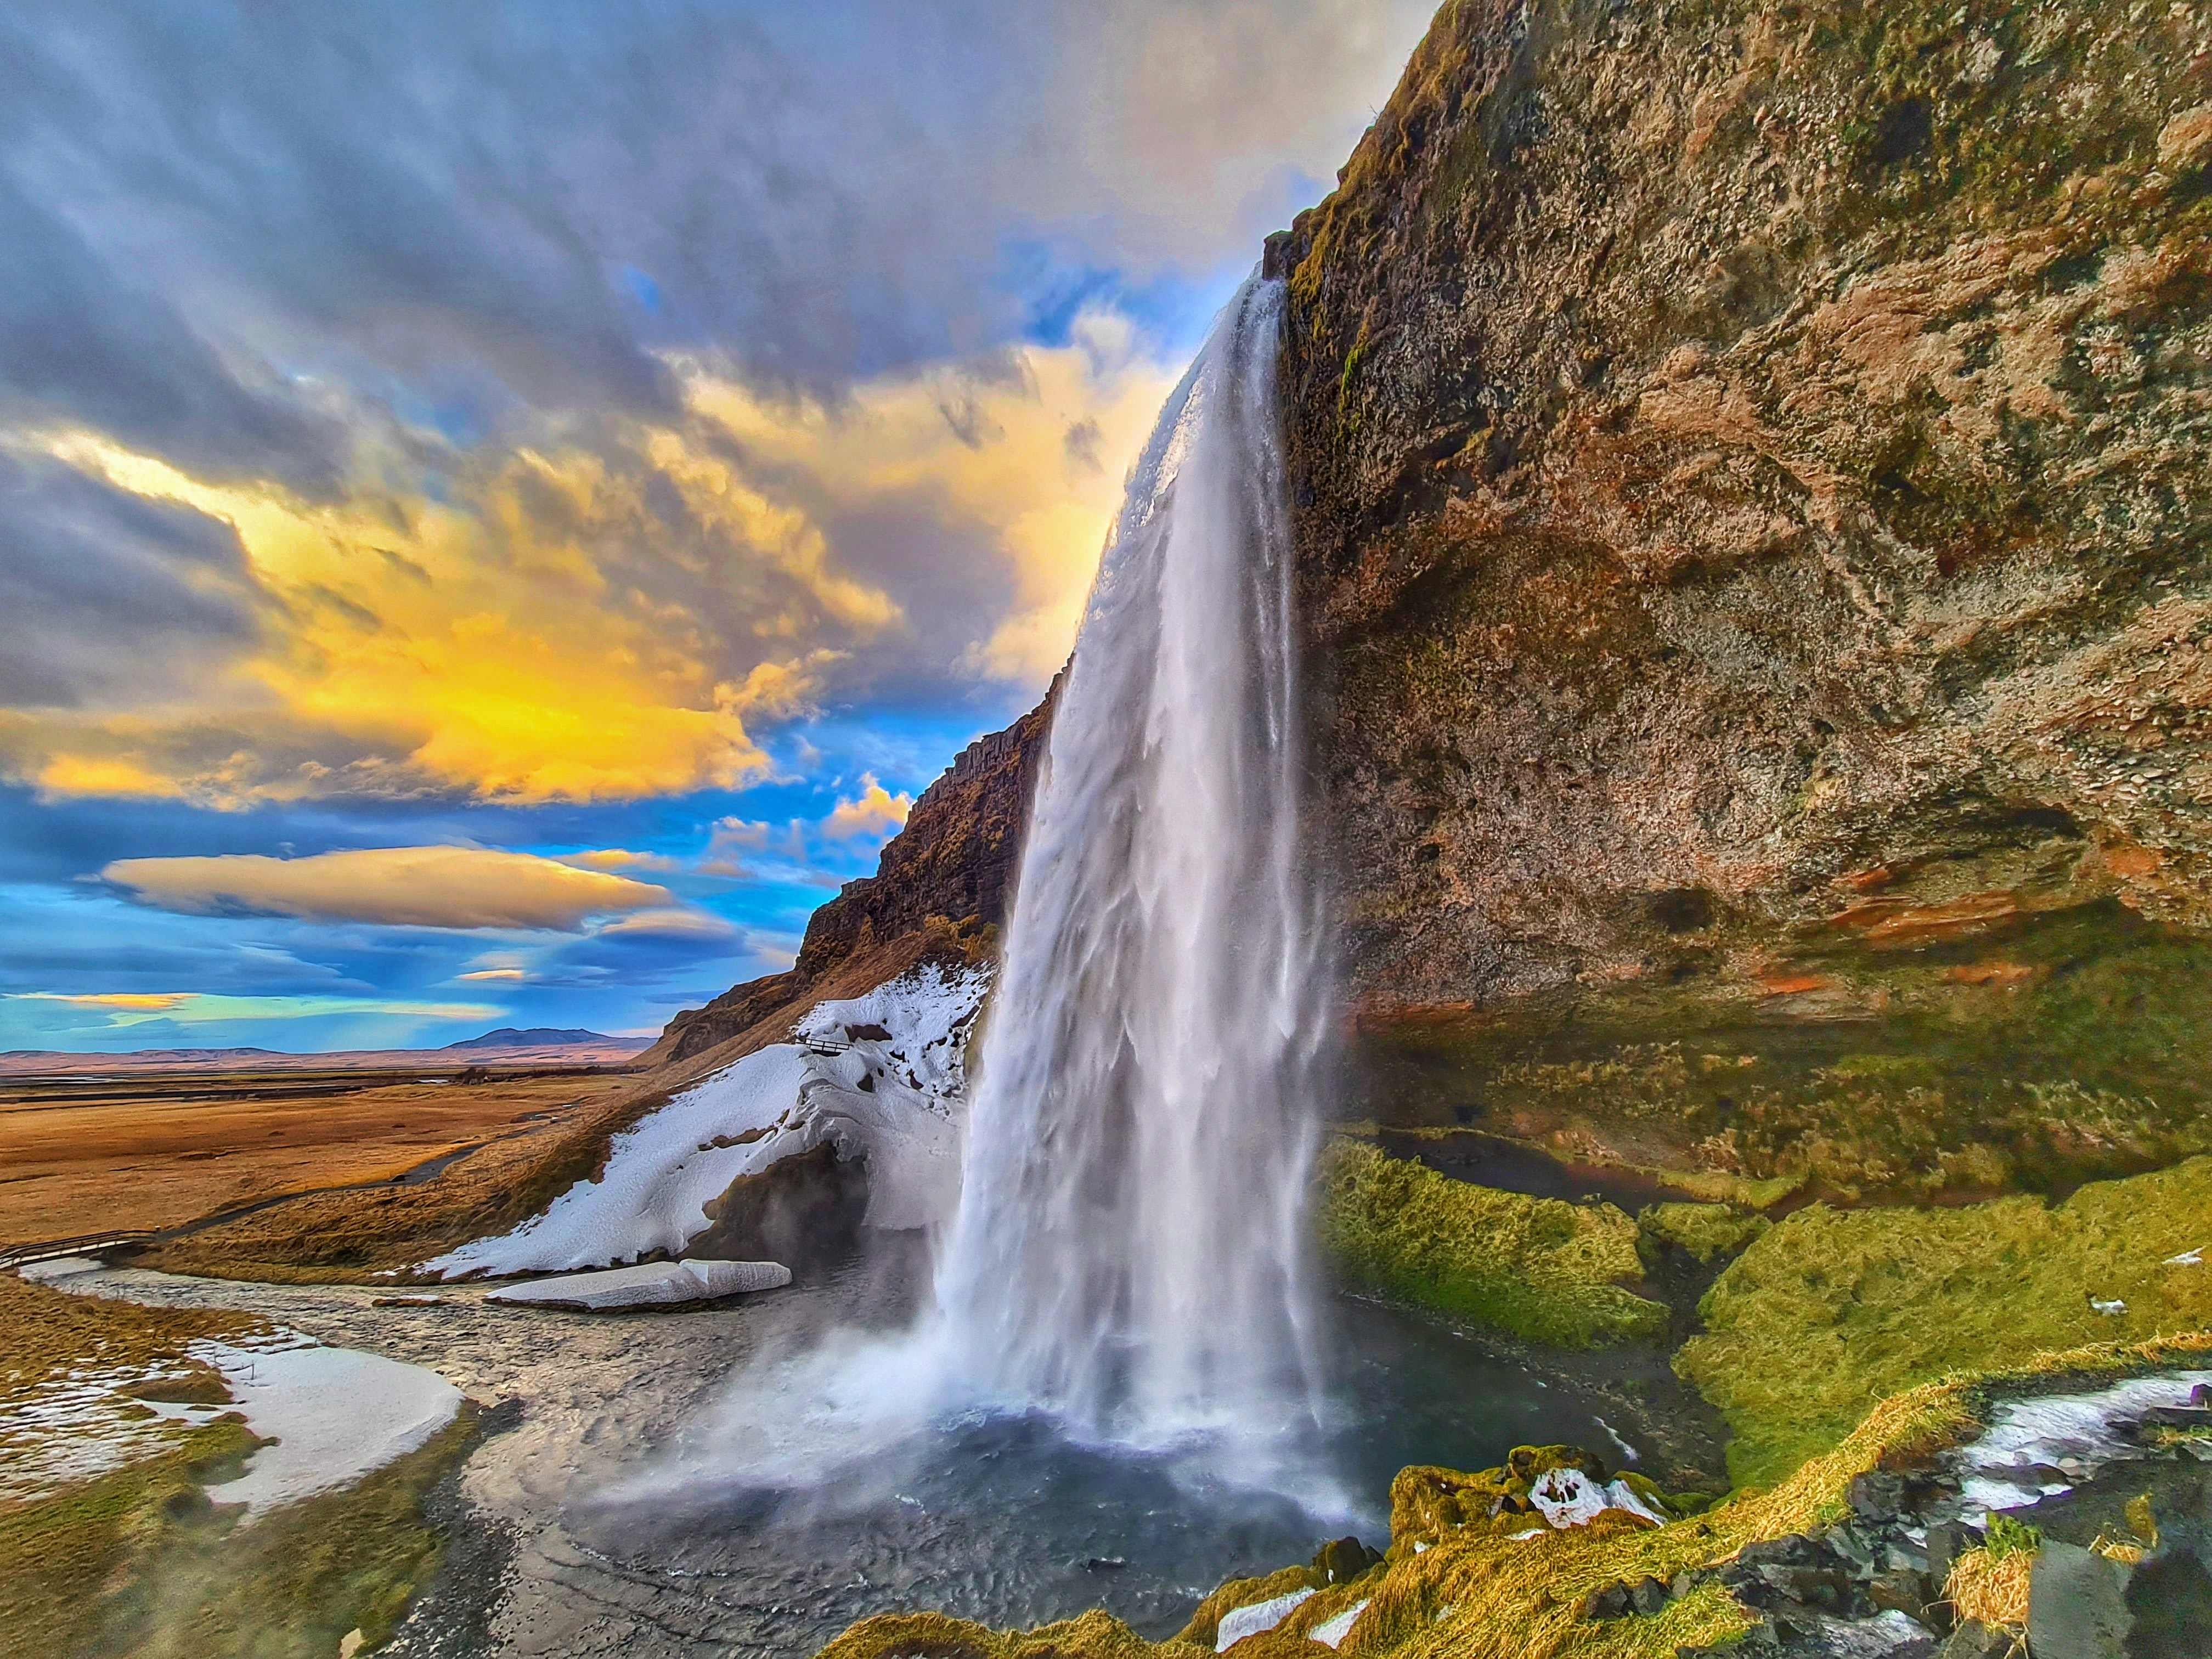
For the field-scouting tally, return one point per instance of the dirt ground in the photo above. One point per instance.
(87, 1154)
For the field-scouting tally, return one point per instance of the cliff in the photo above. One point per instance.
(1751, 524)
(940, 889)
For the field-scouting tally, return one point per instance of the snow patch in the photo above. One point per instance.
(1570, 1497)
(334, 1413)
(1331, 1632)
(880, 1077)
(1241, 1622)
(661, 1284)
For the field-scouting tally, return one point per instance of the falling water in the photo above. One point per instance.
(1129, 1253)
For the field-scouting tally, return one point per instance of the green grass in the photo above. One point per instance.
(1833, 1310)
(1706, 1231)
(1536, 1267)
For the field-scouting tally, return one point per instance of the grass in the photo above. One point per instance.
(1832, 1309)
(140, 1562)
(1536, 1267)
(146, 1560)
(1706, 1231)
(44, 1330)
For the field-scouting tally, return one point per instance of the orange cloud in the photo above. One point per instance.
(155, 1002)
(460, 887)
(614, 858)
(875, 811)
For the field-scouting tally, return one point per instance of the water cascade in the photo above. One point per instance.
(1129, 1253)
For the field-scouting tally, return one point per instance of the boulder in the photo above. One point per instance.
(2077, 1604)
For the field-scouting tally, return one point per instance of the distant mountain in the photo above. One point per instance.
(542, 1036)
(148, 1056)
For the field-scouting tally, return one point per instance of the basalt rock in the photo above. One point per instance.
(1751, 472)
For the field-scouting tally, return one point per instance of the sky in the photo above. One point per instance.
(502, 507)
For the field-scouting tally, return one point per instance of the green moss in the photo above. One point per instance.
(1536, 1267)
(1832, 1310)
(1706, 1231)
(140, 1562)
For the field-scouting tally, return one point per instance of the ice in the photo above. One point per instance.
(2009, 1464)
(1331, 1632)
(661, 1284)
(333, 1415)
(895, 1099)
(1241, 1622)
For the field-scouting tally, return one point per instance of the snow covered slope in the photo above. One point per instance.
(880, 1077)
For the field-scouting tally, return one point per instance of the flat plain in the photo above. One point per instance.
(82, 1153)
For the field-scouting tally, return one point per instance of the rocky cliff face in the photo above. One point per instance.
(940, 890)
(1752, 470)
(1754, 533)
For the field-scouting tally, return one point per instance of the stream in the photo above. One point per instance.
(559, 1549)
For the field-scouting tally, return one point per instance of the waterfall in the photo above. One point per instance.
(1129, 1253)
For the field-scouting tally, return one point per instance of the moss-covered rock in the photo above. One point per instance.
(1832, 1309)
(2059, 1049)
(1707, 1232)
(1535, 1268)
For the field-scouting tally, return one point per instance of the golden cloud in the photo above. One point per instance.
(615, 858)
(1033, 456)
(151, 1002)
(574, 622)
(462, 887)
(874, 811)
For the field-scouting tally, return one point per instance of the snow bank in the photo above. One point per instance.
(1241, 1622)
(334, 1413)
(1331, 1632)
(663, 1284)
(879, 1077)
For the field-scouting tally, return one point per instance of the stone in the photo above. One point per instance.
(1344, 1560)
(2077, 1604)
(1975, 1640)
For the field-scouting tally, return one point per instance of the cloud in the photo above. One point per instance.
(603, 390)
(874, 811)
(514, 976)
(638, 950)
(614, 858)
(445, 887)
(107, 598)
(132, 1001)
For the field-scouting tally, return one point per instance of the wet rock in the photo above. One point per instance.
(1643, 1595)
(1344, 1560)
(1975, 1640)
(2078, 1604)
(806, 1210)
